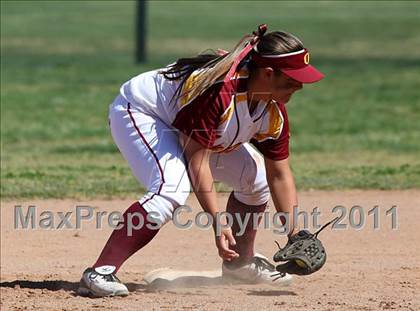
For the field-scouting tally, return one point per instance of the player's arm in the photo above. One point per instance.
(282, 187)
(200, 174)
(202, 182)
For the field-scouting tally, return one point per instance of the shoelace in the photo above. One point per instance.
(264, 264)
(107, 277)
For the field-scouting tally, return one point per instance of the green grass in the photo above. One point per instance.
(62, 63)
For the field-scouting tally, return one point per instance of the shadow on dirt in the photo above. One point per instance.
(56, 285)
(49, 285)
(271, 293)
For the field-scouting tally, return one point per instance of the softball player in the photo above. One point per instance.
(211, 117)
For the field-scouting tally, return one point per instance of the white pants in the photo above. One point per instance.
(154, 154)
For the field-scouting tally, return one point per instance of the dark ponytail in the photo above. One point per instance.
(209, 68)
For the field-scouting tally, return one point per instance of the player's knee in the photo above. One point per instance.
(177, 194)
(158, 207)
(256, 197)
(164, 204)
(255, 190)
(176, 187)
(176, 199)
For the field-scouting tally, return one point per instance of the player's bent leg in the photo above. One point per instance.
(155, 158)
(243, 170)
(249, 267)
(137, 228)
(134, 232)
(244, 228)
(100, 280)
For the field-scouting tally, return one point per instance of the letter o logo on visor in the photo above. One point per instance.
(306, 59)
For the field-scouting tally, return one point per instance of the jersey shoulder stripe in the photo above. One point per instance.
(238, 81)
(273, 128)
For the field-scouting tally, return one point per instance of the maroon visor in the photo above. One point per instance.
(294, 64)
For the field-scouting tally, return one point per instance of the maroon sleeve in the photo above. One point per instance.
(200, 118)
(276, 149)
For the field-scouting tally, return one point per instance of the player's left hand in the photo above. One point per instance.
(303, 254)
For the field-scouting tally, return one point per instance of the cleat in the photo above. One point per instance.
(258, 271)
(101, 282)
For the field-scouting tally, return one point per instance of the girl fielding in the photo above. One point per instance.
(211, 117)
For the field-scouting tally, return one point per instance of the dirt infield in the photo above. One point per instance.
(366, 269)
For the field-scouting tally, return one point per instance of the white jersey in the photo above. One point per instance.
(218, 119)
(152, 93)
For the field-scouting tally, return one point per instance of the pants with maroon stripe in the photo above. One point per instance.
(155, 157)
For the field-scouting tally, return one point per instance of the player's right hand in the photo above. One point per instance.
(223, 241)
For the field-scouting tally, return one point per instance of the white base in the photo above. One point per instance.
(167, 277)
